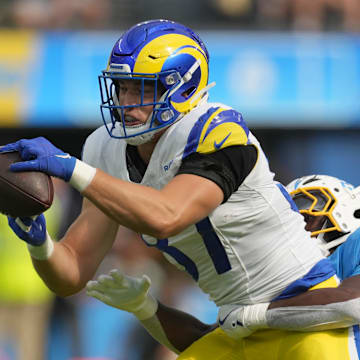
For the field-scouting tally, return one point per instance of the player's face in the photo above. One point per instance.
(314, 223)
(129, 93)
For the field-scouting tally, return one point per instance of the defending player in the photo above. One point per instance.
(186, 173)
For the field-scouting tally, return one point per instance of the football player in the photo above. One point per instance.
(184, 172)
(331, 209)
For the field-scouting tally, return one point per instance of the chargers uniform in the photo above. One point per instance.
(346, 258)
(253, 245)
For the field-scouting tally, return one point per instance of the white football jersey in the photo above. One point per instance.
(250, 247)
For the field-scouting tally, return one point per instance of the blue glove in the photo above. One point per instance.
(31, 230)
(40, 155)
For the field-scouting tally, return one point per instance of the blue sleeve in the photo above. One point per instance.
(217, 129)
(346, 258)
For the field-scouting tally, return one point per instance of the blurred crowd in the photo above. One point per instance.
(299, 15)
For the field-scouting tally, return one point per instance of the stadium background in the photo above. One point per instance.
(292, 68)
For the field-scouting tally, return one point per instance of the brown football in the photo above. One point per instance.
(26, 193)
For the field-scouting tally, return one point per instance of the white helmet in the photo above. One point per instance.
(337, 200)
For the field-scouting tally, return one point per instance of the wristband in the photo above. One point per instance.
(82, 175)
(147, 309)
(44, 251)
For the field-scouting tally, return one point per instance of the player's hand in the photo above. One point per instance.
(230, 319)
(124, 292)
(40, 155)
(30, 229)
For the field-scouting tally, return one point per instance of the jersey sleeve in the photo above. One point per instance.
(346, 258)
(217, 129)
(227, 167)
(218, 148)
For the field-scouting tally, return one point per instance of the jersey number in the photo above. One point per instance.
(213, 246)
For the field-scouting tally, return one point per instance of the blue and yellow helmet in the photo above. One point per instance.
(163, 52)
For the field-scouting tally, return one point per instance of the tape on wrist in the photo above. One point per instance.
(148, 309)
(82, 175)
(44, 251)
(255, 316)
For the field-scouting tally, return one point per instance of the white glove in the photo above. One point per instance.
(125, 293)
(241, 321)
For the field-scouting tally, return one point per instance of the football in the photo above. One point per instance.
(26, 193)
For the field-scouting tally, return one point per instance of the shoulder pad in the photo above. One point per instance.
(217, 129)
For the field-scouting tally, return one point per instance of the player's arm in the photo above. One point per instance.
(188, 198)
(341, 304)
(161, 213)
(182, 329)
(67, 265)
(325, 309)
(202, 183)
(185, 200)
(349, 289)
(315, 310)
(170, 327)
(318, 309)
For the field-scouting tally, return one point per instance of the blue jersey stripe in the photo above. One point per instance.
(320, 272)
(288, 197)
(195, 133)
(177, 255)
(213, 246)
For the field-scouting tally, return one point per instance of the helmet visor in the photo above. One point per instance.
(316, 202)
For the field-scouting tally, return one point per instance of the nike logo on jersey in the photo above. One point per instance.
(221, 143)
(65, 156)
(221, 322)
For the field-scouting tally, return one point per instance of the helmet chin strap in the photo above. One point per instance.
(203, 91)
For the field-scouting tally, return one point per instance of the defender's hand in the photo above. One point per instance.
(32, 230)
(40, 155)
(124, 292)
